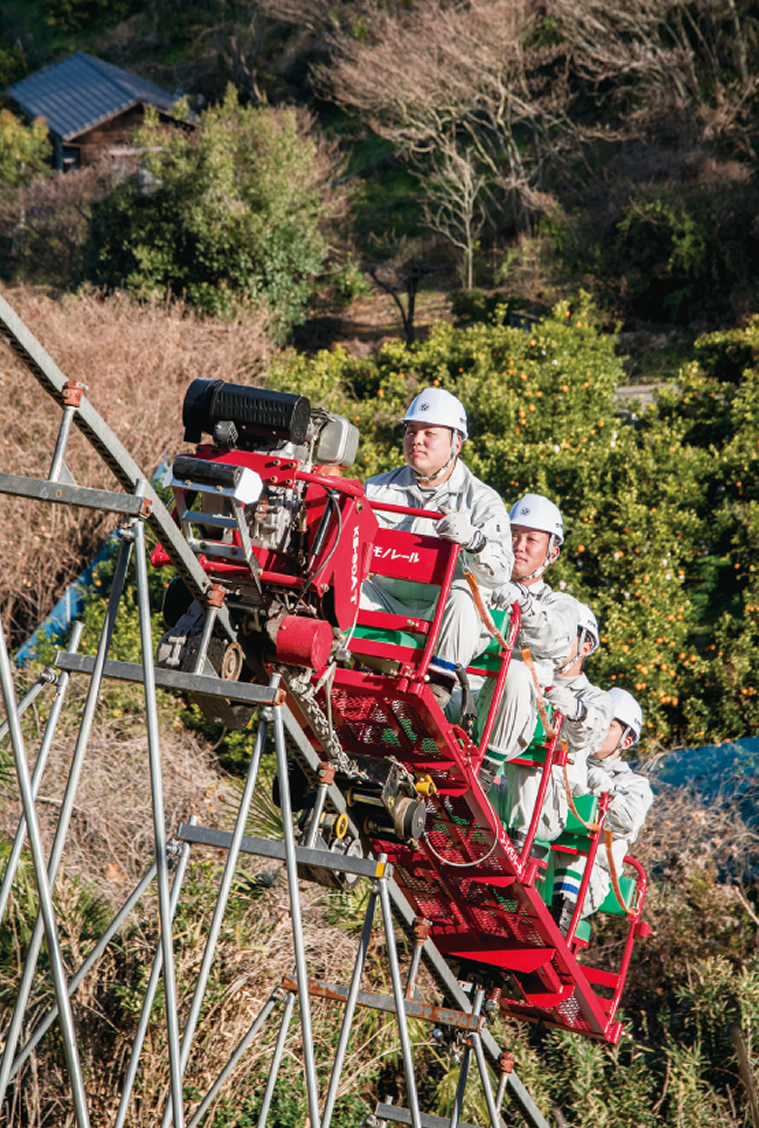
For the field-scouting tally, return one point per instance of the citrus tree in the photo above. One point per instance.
(24, 150)
(659, 513)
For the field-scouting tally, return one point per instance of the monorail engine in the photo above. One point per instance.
(267, 529)
(287, 544)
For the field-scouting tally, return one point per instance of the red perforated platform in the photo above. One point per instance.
(465, 878)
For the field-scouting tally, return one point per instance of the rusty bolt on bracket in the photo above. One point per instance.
(506, 1062)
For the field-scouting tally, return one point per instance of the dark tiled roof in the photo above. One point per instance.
(82, 91)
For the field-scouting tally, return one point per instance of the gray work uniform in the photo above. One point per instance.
(549, 627)
(585, 736)
(461, 634)
(630, 799)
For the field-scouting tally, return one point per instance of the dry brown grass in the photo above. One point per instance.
(684, 832)
(109, 845)
(137, 362)
(110, 839)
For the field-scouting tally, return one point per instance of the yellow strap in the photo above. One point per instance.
(484, 614)
(593, 827)
(609, 839)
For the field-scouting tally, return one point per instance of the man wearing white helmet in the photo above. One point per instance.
(549, 625)
(587, 709)
(435, 426)
(587, 712)
(630, 798)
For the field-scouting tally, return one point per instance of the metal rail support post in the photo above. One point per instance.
(47, 911)
(159, 826)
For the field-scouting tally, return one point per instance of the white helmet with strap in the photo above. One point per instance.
(628, 712)
(587, 625)
(537, 512)
(438, 408)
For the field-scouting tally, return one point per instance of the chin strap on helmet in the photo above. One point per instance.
(582, 634)
(620, 742)
(567, 666)
(454, 456)
(552, 541)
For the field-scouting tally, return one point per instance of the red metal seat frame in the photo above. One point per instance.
(479, 895)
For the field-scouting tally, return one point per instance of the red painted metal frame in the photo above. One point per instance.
(405, 510)
(483, 908)
(437, 621)
(555, 989)
(592, 853)
(447, 551)
(511, 639)
(547, 956)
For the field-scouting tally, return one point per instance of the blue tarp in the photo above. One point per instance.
(713, 770)
(68, 608)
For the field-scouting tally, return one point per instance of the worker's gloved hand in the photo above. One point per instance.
(512, 593)
(567, 702)
(458, 528)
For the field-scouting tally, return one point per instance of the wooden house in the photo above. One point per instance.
(90, 107)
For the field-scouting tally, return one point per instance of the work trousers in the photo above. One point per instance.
(461, 634)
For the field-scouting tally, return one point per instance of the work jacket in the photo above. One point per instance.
(630, 796)
(585, 736)
(549, 627)
(462, 491)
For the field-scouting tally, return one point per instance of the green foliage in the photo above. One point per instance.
(476, 305)
(24, 150)
(231, 218)
(664, 249)
(660, 517)
(677, 256)
(349, 283)
(78, 15)
(726, 355)
(288, 1108)
(598, 1086)
(12, 66)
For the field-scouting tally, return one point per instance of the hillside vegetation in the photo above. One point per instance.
(574, 186)
(694, 981)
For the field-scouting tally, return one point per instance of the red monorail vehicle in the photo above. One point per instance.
(288, 542)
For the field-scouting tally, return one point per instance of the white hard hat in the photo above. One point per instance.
(586, 621)
(627, 711)
(537, 512)
(438, 408)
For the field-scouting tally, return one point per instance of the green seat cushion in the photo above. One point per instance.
(587, 808)
(627, 887)
(490, 659)
(391, 638)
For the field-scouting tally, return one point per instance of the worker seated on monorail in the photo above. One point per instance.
(549, 626)
(630, 798)
(588, 712)
(434, 478)
(586, 708)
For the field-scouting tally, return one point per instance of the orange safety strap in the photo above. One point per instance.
(593, 827)
(527, 657)
(609, 839)
(484, 614)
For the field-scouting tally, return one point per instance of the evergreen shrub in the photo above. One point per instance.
(659, 514)
(226, 215)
